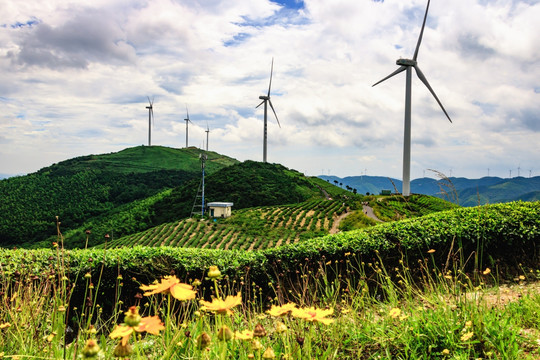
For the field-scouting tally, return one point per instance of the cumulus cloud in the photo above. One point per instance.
(77, 76)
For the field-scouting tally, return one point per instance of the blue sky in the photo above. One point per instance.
(75, 76)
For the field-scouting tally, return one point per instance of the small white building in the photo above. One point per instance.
(220, 209)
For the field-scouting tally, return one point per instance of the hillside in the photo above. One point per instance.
(470, 192)
(262, 227)
(248, 184)
(82, 188)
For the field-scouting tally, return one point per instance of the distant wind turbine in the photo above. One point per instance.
(266, 100)
(207, 132)
(150, 119)
(406, 65)
(187, 122)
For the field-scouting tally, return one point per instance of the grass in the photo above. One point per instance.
(333, 310)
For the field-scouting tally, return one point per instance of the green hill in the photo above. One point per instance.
(86, 187)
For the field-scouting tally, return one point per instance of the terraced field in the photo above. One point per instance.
(247, 229)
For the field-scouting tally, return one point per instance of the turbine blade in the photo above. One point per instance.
(187, 113)
(271, 71)
(424, 80)
(421, 34)
(400, 69)
(272, 106)
(262, 102)
(152, 112)
(152, 100)
(149, 100)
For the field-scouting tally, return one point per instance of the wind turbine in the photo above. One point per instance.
(266, 100)
(150, 119)
(207, 132)
(407, 65)
(187, 122)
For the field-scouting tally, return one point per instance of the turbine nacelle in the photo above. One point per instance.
(262, 97)
(406, 62)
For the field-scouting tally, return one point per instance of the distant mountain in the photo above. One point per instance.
(469, 192)
(78, 189)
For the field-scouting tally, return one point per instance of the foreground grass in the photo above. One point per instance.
(330, 312)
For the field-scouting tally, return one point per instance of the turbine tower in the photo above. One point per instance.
(407, 65)
(150, 119)
(266, 100)
(187, 122)
(207, 132)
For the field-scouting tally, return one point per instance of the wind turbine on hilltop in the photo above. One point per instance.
(407, 65)
(150, 119)
(266, 100)
(187, 122)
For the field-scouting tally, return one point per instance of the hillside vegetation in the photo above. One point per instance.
(263, 227)
(83, 188)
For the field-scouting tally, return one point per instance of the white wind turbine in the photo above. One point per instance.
(187, 122)
(150, 119)
(407, 65)
(266, 100)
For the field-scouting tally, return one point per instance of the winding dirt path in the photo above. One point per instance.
(368, 211)
(335, 225)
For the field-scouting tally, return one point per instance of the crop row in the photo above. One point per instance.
(248, 229)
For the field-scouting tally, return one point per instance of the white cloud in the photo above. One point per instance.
(76, 76)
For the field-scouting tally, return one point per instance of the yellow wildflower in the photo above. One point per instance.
(431, 251)
(222, 306)
(5, 325)
(445, 352)
(467, 336)
(487, 271)
(282, 310)
(244, 335)
(313, 314)
(150, 324)
(170, 284)
(394, 313)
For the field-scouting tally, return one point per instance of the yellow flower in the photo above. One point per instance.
(445, 352)
(394, 313)
(222, 306)
(487, 271)
(5, 325)
(468, 323)
(244, 335)
(313, 314)
(150, 324)
(170, 284)
(521, 277)
(467, 336)
(431, 251)
(281, 310)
